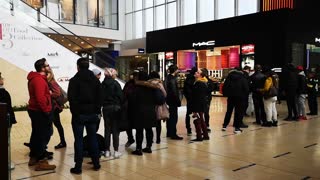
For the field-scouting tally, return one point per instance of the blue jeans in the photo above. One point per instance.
(78, 123)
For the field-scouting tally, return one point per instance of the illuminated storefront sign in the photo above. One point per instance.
(208, 43)
(317, 40)
(247, 49)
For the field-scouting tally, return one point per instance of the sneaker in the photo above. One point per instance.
(274, 123)
(129, 142)
(137, 152)
(43, 165)
(117, 154)
(267, 124)
(208, 129)
(147, 150)
(189, 133)
(107, 154)
(237, 131)
(26, 144)
(158, 141)
(196, 140)
(224, 128)
(12, 166)
(96, 167)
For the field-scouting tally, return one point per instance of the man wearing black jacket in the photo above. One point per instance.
(84, 95)
(235, 88)
(173, 101)
(187, 91)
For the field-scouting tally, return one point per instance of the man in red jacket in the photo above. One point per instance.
(39, 110)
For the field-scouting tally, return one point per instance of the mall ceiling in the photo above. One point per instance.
(81, 42)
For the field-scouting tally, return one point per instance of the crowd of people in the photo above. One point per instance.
(146, 101)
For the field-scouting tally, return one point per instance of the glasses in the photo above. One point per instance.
(46, 65)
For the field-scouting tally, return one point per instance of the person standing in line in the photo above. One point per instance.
(301, 94)
(97, 73)
(112, 99)
(290, 86)
(57, 106)
(188, 83)
(155, 79)
(198, 104)
(128, 89)
(210, 87)
(39, 110)
(312, 90)
(270, 102)
(84, 95)
(257, 83)
(173, 102)
(235, 88)
(6, 98)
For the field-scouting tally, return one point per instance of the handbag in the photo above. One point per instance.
(272, 92)
(162, 111)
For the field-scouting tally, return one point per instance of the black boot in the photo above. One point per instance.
(77, 169)
(274, 123)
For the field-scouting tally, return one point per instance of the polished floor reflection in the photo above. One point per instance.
(289, 151)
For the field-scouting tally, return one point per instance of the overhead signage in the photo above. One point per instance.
(247, 49)
(141, 50)
(203, 44)
(169, 55)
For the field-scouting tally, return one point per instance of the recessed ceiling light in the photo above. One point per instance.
(88, 38)
(76, 52)
(62, 40)
(82, 42)
(75, 37)
(49, 35)
(69, 44)
(98, 40)
(62, 36)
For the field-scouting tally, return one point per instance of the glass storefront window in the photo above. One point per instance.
(149, 19)
(138, 22)
(160, 17)
(129, 26)
(108, 13)
(158, 2)
(172, 15)
(189, 12)
(226, 8)
(128, 6)
(137, 5)
(148, 3)
(206, 10)
(247, 7)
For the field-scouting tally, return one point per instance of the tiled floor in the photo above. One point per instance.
(250, 155)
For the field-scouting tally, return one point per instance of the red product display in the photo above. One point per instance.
(234, 60)
(224, 58)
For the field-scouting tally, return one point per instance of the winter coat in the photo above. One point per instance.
(235, 85)
(84, 93)
(111, 92)
(40, 98)
(171, 86)
(302, 84)
(257, 81)
(199, 96)
(141, 105)
(6, 98)
(188, 84)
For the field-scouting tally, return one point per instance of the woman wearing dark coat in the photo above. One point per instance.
(199, 104)
(112, 100)
(142, 104)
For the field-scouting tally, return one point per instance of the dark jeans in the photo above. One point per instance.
(130, 135)
(187, 119)
(111, 127)
(172, 121)
(292, 105)
(207, 114)
(237, 104)
(312, 103)
(58, 125)
(78, 124)
(201, 127)
(139, 137)
(41, 132)
(259, 108)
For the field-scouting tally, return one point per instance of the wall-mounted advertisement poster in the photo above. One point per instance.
(247, 55)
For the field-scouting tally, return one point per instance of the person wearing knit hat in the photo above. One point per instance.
(97, 73)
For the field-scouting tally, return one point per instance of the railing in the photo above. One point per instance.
(47, 26)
